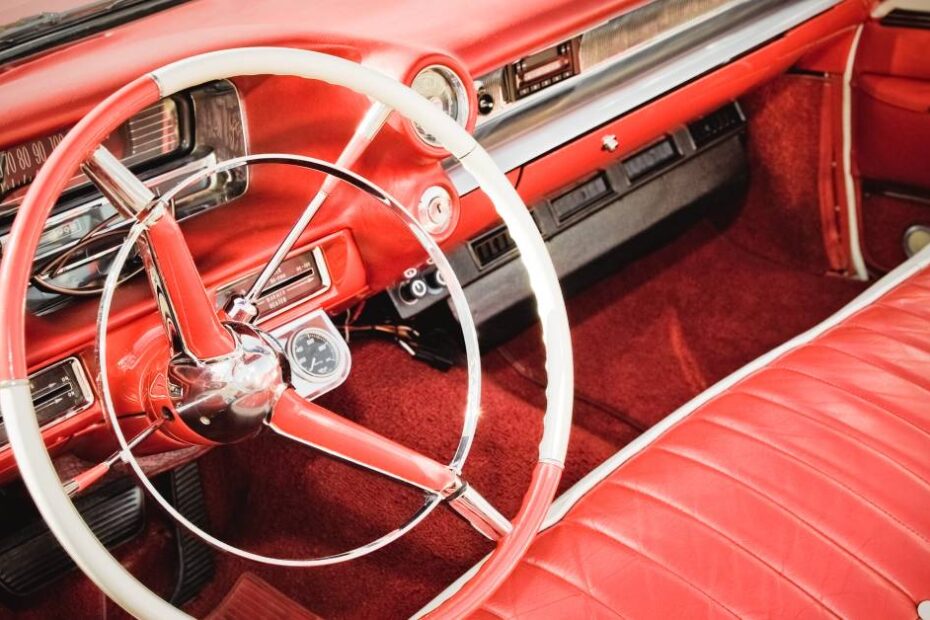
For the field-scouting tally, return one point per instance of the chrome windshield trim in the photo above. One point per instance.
(557, 116)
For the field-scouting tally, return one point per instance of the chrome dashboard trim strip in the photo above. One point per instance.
(584, 103)
(83, 384)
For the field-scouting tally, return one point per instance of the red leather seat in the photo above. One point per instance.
(801, 490)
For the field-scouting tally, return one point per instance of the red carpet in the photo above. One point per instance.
(646, 340)
(666, 327)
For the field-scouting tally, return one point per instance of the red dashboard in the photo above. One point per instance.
(366, 248)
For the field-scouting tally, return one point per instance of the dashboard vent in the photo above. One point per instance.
(650, 160)
(492, 246)
(714, 125)
(902, 18)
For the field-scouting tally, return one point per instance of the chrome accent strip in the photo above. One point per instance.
(581, 104)
(850, 185)
(82, 383)
(156, 184)
(480, 513)
(234, 310)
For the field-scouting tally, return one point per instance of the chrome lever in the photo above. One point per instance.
(122, 188)
(243, 308)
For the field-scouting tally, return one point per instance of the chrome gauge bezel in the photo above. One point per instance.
(460, 92)
(323, 335)
(309, 386)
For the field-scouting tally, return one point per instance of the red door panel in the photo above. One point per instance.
(893, 137)
(891, 131)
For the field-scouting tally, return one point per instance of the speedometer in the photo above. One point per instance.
(158, 131)
(442, 86)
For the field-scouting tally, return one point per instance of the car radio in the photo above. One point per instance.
(541, 70)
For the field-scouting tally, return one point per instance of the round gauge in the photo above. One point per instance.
(444, 88)
(314, 353)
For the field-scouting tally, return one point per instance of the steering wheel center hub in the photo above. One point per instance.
(226, 399)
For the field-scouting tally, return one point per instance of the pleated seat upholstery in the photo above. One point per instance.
(799, 488)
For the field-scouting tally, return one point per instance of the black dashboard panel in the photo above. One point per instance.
(595, 215)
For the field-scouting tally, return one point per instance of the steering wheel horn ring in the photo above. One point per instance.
(203, 337)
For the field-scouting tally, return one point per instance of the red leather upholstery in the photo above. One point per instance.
(803, 491)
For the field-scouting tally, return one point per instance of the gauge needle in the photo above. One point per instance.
(243, 308)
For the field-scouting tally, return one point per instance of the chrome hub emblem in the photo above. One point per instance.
(228, 399)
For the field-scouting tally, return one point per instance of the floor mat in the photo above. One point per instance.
(253, 598)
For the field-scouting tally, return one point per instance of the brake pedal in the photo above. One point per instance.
(253, 597)
(30, 556)
(195, 557)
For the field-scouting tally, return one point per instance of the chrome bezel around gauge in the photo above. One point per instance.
(318, 322)
(293, 352)
(458, 91)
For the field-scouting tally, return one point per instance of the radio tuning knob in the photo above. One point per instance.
(434, 280)
(485, 103)
(412, 291)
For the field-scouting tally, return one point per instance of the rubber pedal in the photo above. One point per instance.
(252, 598)
(195, 558)
(31, 558)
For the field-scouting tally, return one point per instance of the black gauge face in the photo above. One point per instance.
(314, 353)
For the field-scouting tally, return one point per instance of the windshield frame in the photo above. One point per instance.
(44, 30)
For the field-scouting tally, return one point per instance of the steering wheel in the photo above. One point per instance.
(224, 348)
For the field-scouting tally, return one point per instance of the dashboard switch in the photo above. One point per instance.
(413, 291)
(434, 280)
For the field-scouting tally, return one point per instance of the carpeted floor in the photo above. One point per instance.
(646, 339)
(682, 308)
(668, 326)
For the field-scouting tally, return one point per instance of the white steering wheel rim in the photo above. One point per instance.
(35, 465)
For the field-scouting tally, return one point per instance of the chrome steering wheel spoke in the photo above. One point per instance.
(186, 310)
(125, 191)
(243, 308)
(312, 425)
(290, 414)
